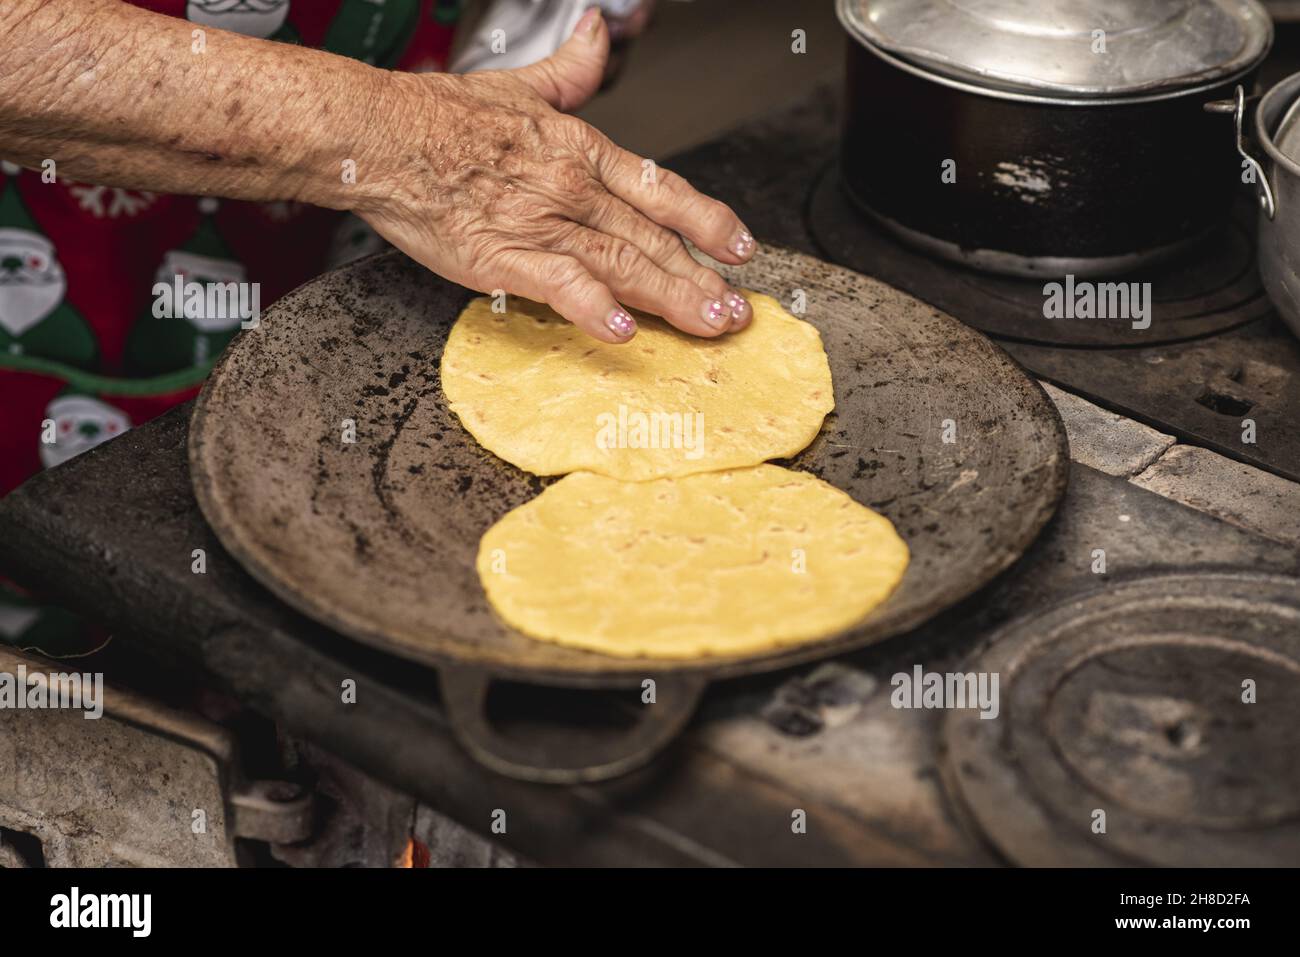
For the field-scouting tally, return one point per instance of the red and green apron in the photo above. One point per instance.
(83, 357)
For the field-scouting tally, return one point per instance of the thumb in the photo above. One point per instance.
(570, 77)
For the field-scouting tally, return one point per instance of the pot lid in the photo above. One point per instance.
(1083, 48)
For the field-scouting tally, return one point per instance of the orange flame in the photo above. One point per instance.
(415, 854)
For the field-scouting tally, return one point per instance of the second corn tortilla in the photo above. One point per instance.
(724, 563)
(543, 395)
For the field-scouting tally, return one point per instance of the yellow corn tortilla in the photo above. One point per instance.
(543, 395)
(725, 563)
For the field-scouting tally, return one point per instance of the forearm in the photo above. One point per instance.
(120, 96)
(478, 177)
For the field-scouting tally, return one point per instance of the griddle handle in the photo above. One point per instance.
(464, 696)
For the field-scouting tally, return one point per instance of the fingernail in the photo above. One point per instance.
(739, 308)
(716, 314)
(742, 244)
(588, 24)
(621, 324)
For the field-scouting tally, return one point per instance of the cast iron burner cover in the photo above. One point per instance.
(1129, 701)
(1214, 288)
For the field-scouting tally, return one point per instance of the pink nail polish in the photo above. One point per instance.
(716, 314)
(621, 324)
(586, 25)
(742, 244)
(739, 308)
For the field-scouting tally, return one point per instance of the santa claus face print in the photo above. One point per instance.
(80, 422)
(254, 18)
(206, 271)
(31, 280)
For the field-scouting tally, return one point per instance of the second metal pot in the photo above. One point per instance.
(1278, 179)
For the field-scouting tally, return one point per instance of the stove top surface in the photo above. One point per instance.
(1129, 702)
(1214, 288)
(1215, 367)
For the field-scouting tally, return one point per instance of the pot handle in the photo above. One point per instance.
(464, 696)
(1237, 107)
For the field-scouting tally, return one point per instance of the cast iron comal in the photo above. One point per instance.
(934, 426)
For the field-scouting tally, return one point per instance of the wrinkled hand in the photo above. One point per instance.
(491, 186)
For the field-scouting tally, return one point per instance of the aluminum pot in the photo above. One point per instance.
(1045, 137)
(1277, 177)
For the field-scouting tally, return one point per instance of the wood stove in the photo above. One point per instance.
(224, 700)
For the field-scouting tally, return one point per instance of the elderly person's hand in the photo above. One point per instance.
(481, 178)
(493, 187)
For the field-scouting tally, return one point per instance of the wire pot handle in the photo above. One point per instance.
(1237, 107)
